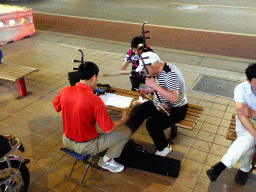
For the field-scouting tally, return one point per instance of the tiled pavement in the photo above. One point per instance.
(34, 121)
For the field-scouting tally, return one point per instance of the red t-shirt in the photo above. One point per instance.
(81, 109)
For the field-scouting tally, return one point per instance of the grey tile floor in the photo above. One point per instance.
(34, 121)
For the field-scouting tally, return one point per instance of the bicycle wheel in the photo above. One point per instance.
(18, 181)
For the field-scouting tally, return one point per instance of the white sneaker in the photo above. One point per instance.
(111, 165)
(165, 151)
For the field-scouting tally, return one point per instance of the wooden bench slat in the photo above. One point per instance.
(15, 68)
(194, 110)
(8, 77)
(193, 114)
(200, 108)
(185, 124)
(14, 72)
(231, 134)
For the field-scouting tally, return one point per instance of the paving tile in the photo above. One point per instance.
(201, 145)
(89, 188)
(149, 179)
(39, 188)
(113, 184)
(191, 133)
(193, 167)
(202, 184)
(36, 171)
(185, 179)
(225, 123)
(222, 100)
(224, 64)
(184, 140)
(212, 120)
(130, 187)
(204, 170)
(206, 136)
(219, 107)
(197, 155)
(205, 103)
(222, 131)
(208, 97)
(216, 113)
(210, 127)
(221, 140)
(218, 149)
(96, 179)
(212, 159)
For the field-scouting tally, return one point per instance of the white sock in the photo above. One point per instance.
(105, 158)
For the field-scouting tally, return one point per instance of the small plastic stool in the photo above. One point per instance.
(81, 157)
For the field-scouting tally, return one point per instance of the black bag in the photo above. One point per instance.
(133, 156)
(101, 89)
(4, 146)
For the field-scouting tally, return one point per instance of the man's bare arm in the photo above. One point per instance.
(245, 120)
(122, 121)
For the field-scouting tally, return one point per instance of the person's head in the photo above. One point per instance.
(88, 72)
(137, 45)
(251, 75)
(151, 61)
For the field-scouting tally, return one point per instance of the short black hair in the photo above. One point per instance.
(251, 71)
(87, 70)
(136, 41)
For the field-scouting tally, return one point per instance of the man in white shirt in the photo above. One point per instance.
(243, 148)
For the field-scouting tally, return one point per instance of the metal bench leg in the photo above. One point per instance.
(72, 168)
(85, 171)
(22, 87)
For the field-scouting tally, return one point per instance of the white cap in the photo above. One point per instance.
(148, 58)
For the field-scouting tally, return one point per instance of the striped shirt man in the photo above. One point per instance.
(171, 79)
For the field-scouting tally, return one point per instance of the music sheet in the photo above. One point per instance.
(115, 100)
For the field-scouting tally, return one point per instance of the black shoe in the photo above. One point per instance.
(214, 172)
(241, 177)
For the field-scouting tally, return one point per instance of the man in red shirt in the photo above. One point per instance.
(81, 110)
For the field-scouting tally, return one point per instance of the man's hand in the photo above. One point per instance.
(125, 116)
(145, 91)
(245, 110)
(151, 83)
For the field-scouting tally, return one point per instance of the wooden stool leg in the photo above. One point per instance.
(22, 87)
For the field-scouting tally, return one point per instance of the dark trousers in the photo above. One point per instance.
(136, 81)
(157, 121)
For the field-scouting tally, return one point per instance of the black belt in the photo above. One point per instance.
(77, 141)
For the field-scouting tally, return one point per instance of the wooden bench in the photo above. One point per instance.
(193, 114)
(231, 134)
(16, 73)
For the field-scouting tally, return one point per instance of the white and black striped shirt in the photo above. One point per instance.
(171, 79)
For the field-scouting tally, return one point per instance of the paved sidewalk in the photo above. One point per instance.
(34, 121)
